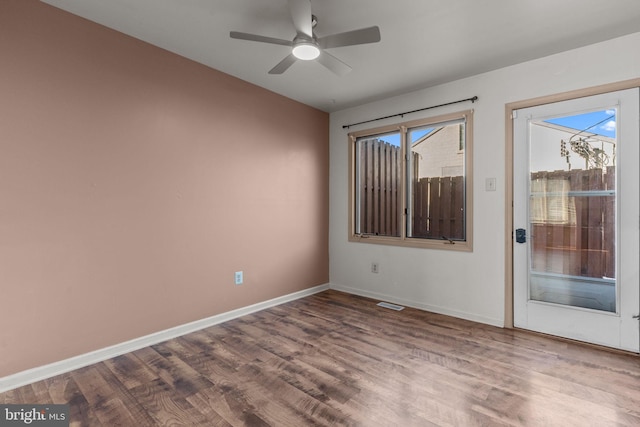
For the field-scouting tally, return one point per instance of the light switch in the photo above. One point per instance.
(490, 184)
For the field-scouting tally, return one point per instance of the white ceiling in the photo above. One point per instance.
(424, 42)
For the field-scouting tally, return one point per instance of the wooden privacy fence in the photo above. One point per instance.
(582, 242)
(379, 186)
(438, 208)
(438, 202)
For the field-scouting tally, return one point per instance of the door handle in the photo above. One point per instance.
(521, 235)
(637, 316)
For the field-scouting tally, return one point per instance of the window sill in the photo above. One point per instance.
(458, 246)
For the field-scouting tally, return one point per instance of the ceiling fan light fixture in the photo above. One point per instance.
(306, 51)
(306, 46)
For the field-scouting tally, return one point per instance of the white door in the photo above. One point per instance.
(577, 219)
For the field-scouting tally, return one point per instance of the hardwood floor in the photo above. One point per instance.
(338, 359)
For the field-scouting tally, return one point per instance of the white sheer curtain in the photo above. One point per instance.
(551, 203)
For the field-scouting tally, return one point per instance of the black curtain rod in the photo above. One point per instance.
(474, 99)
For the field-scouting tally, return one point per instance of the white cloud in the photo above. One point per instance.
(609, 126)
(611, 112)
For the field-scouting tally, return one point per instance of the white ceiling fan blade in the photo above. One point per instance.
(333, 63)
(301, 16)
(350, 38)
(257, 38)
(284, 64)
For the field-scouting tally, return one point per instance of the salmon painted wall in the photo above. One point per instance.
(134, 183)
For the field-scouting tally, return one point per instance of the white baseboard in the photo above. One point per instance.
(47, 371)
(426, 307)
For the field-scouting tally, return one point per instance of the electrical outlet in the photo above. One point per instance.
(374, 267)
(239, 277)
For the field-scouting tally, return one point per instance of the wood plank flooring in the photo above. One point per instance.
(338, 359)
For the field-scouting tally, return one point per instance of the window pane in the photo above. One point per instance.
(436, 177)
(378, 185)
(572, 210)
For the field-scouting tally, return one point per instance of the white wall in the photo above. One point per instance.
(467, 285)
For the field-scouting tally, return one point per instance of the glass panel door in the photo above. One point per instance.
(576, 210)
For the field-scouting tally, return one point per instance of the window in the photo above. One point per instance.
(551, 202)
(410, 183)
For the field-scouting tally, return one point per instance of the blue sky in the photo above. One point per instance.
(600, 122)
(394, 138)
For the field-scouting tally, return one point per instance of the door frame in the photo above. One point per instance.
(509, 138)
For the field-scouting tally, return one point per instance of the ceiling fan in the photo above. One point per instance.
(306, 46)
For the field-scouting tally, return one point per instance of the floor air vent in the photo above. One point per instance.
(391, 306)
